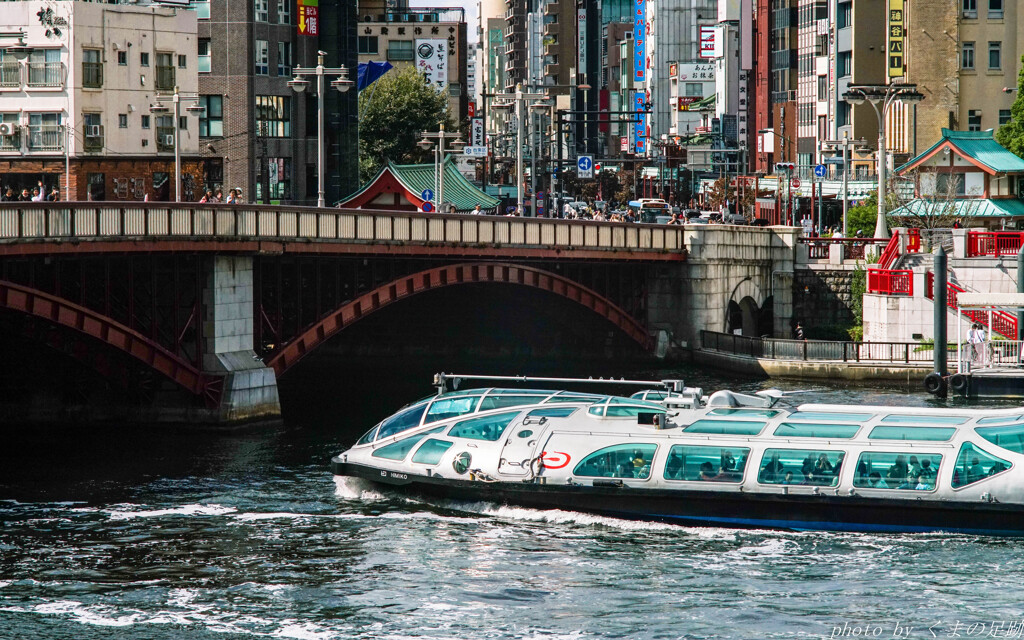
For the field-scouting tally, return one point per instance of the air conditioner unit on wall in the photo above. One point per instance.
(93, 131)
(169, 140)
(7, 129)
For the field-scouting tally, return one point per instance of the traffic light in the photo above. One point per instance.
(784, 166)
(597, 167)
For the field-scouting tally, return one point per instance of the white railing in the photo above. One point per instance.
(998, 354)
(59, 221)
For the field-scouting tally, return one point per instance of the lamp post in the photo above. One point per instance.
(158, 107)
(844, 144)
(519, 99)
(299, 84)
(885, 95)
(440, 135)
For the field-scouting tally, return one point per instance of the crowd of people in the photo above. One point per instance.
(216, 197)
(38, 194)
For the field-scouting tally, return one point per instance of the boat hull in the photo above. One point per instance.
(718, 508)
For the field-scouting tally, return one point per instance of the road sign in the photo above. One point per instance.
(427, 207)
(427, 194)
(820, 171)
(834, 160)
(585, 166)
(795, 183)
(475, 152)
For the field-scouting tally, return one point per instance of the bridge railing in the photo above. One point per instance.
(58, 221)
(777, 349)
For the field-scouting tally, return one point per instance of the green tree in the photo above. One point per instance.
(1011, 134)
(393, 112)
(863, 216)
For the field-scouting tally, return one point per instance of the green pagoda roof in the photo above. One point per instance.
(962, 208)
(415, 178)
(977, 147)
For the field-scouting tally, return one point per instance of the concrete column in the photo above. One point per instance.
(250, 388)
(959, 243)
(836, 253)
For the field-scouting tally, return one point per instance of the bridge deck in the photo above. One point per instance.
(59, 227)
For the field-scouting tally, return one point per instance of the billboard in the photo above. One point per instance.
(476, 132)
(640, 132)
(706, 36)
(309, 18)
(581, 45)
(432, 60)
(640, 40)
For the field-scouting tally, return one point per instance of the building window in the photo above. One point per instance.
(92, 68)
(368, 45)
(274, 116)
(279, 177)
(165, 71)
(455, 89)
(11, 142)
(96, 187)
(183, 123)
(165, 133)
(845, 63)
(202, 8)
(262, 58)
(694, 89)
(995, 9)
(284, 11)
(44, 132)
(844, 15)
(262, 10)
(122, 121)
(1004, 116)
(822, 88)
(182, 61)
(995, 55)
(203, 56)
(970, 8)
(951, 183)
(144, 58)
(93, 130)
(843, 114)
(211, 122)
(967, 55)
(145, 122)
(122, 58)
(974, 120)
(400, 50)
(284, 58)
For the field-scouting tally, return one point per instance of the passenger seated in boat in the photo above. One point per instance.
(822, 467)
(923, 482)
(789, 479)
(772, 471)
(996, 468)
(707, 471)
(910, 482)
(638, 459)
(915, 467)
(624, 470)
(897, 472)
(926, 470)
(674, 467)
(875, 481)
(863, 473)
(975, 473)
(728, 462)
(839, 465)
(808, 465)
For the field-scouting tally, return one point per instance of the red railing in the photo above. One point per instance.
(891, 281)
(1005, 324)
(993, 243)
(891, 252)
(913, 240)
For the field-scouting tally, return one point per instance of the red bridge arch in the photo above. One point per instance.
(110, 332)
(446, 276)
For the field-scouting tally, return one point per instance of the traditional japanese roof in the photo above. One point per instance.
(977, 147)
(963, 208)
(410, 180)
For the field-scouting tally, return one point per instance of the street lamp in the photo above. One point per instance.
(299, 84)
(426, 143)
(844, 144)
(885, 95)
(159, 108)
(519, 99)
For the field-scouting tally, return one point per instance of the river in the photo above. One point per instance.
(146, 533)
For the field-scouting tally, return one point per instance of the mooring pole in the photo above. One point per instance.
(1020, 289)
(939, 295)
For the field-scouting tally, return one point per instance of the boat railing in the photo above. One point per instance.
(840, 351)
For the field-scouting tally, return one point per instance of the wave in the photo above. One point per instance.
(185, 510)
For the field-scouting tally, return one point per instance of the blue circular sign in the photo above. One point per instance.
(427, 194)
(584, 163)
(820, 170)
(427, 206)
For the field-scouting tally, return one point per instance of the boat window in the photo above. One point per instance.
(929, 434)
(652, 396)
(828, 416)
(745, 413)
(800, 467)
(576, 398)
(623, 411)
(618, 461)
(1002, 420)
(897, 470)
(444, 408)
(500, 402)
(368, 436)
(404, 419)
(816, 430)
(726, 427)
(484, 427)
(525, 433)
(401, 448)
(630, 401)
(552, 412)
(923, 419)
(522, 392)
(974, 465)
(431, 451)
(714, 464)
(1009, 438)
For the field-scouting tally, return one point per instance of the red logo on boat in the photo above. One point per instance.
(554, 460)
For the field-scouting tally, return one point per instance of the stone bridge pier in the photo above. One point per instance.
(735, 279)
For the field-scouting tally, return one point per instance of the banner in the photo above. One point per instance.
(897, 38)
(640, 132)
(686, 101)
(432, 60)
(476, 132)
(309, 21)
(640, 40)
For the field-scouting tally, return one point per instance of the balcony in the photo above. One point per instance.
(551, 9)
(93, 138)
(551, 69)
(10, 74)
(551, 29)
(165, 138)
(165, 78)
(45, 74)
(12, 142)
(551, 50)
(45, 137)
(92, 75)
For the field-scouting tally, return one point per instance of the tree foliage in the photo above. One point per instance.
(863, 216)
(1011, 134)
(393, 112)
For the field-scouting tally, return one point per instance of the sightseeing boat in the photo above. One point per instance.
(669, 453)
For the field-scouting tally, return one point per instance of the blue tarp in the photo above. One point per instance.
(370, 72)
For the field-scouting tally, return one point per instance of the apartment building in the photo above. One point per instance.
(77, 92)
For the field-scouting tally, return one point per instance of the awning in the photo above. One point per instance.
(988, 300)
